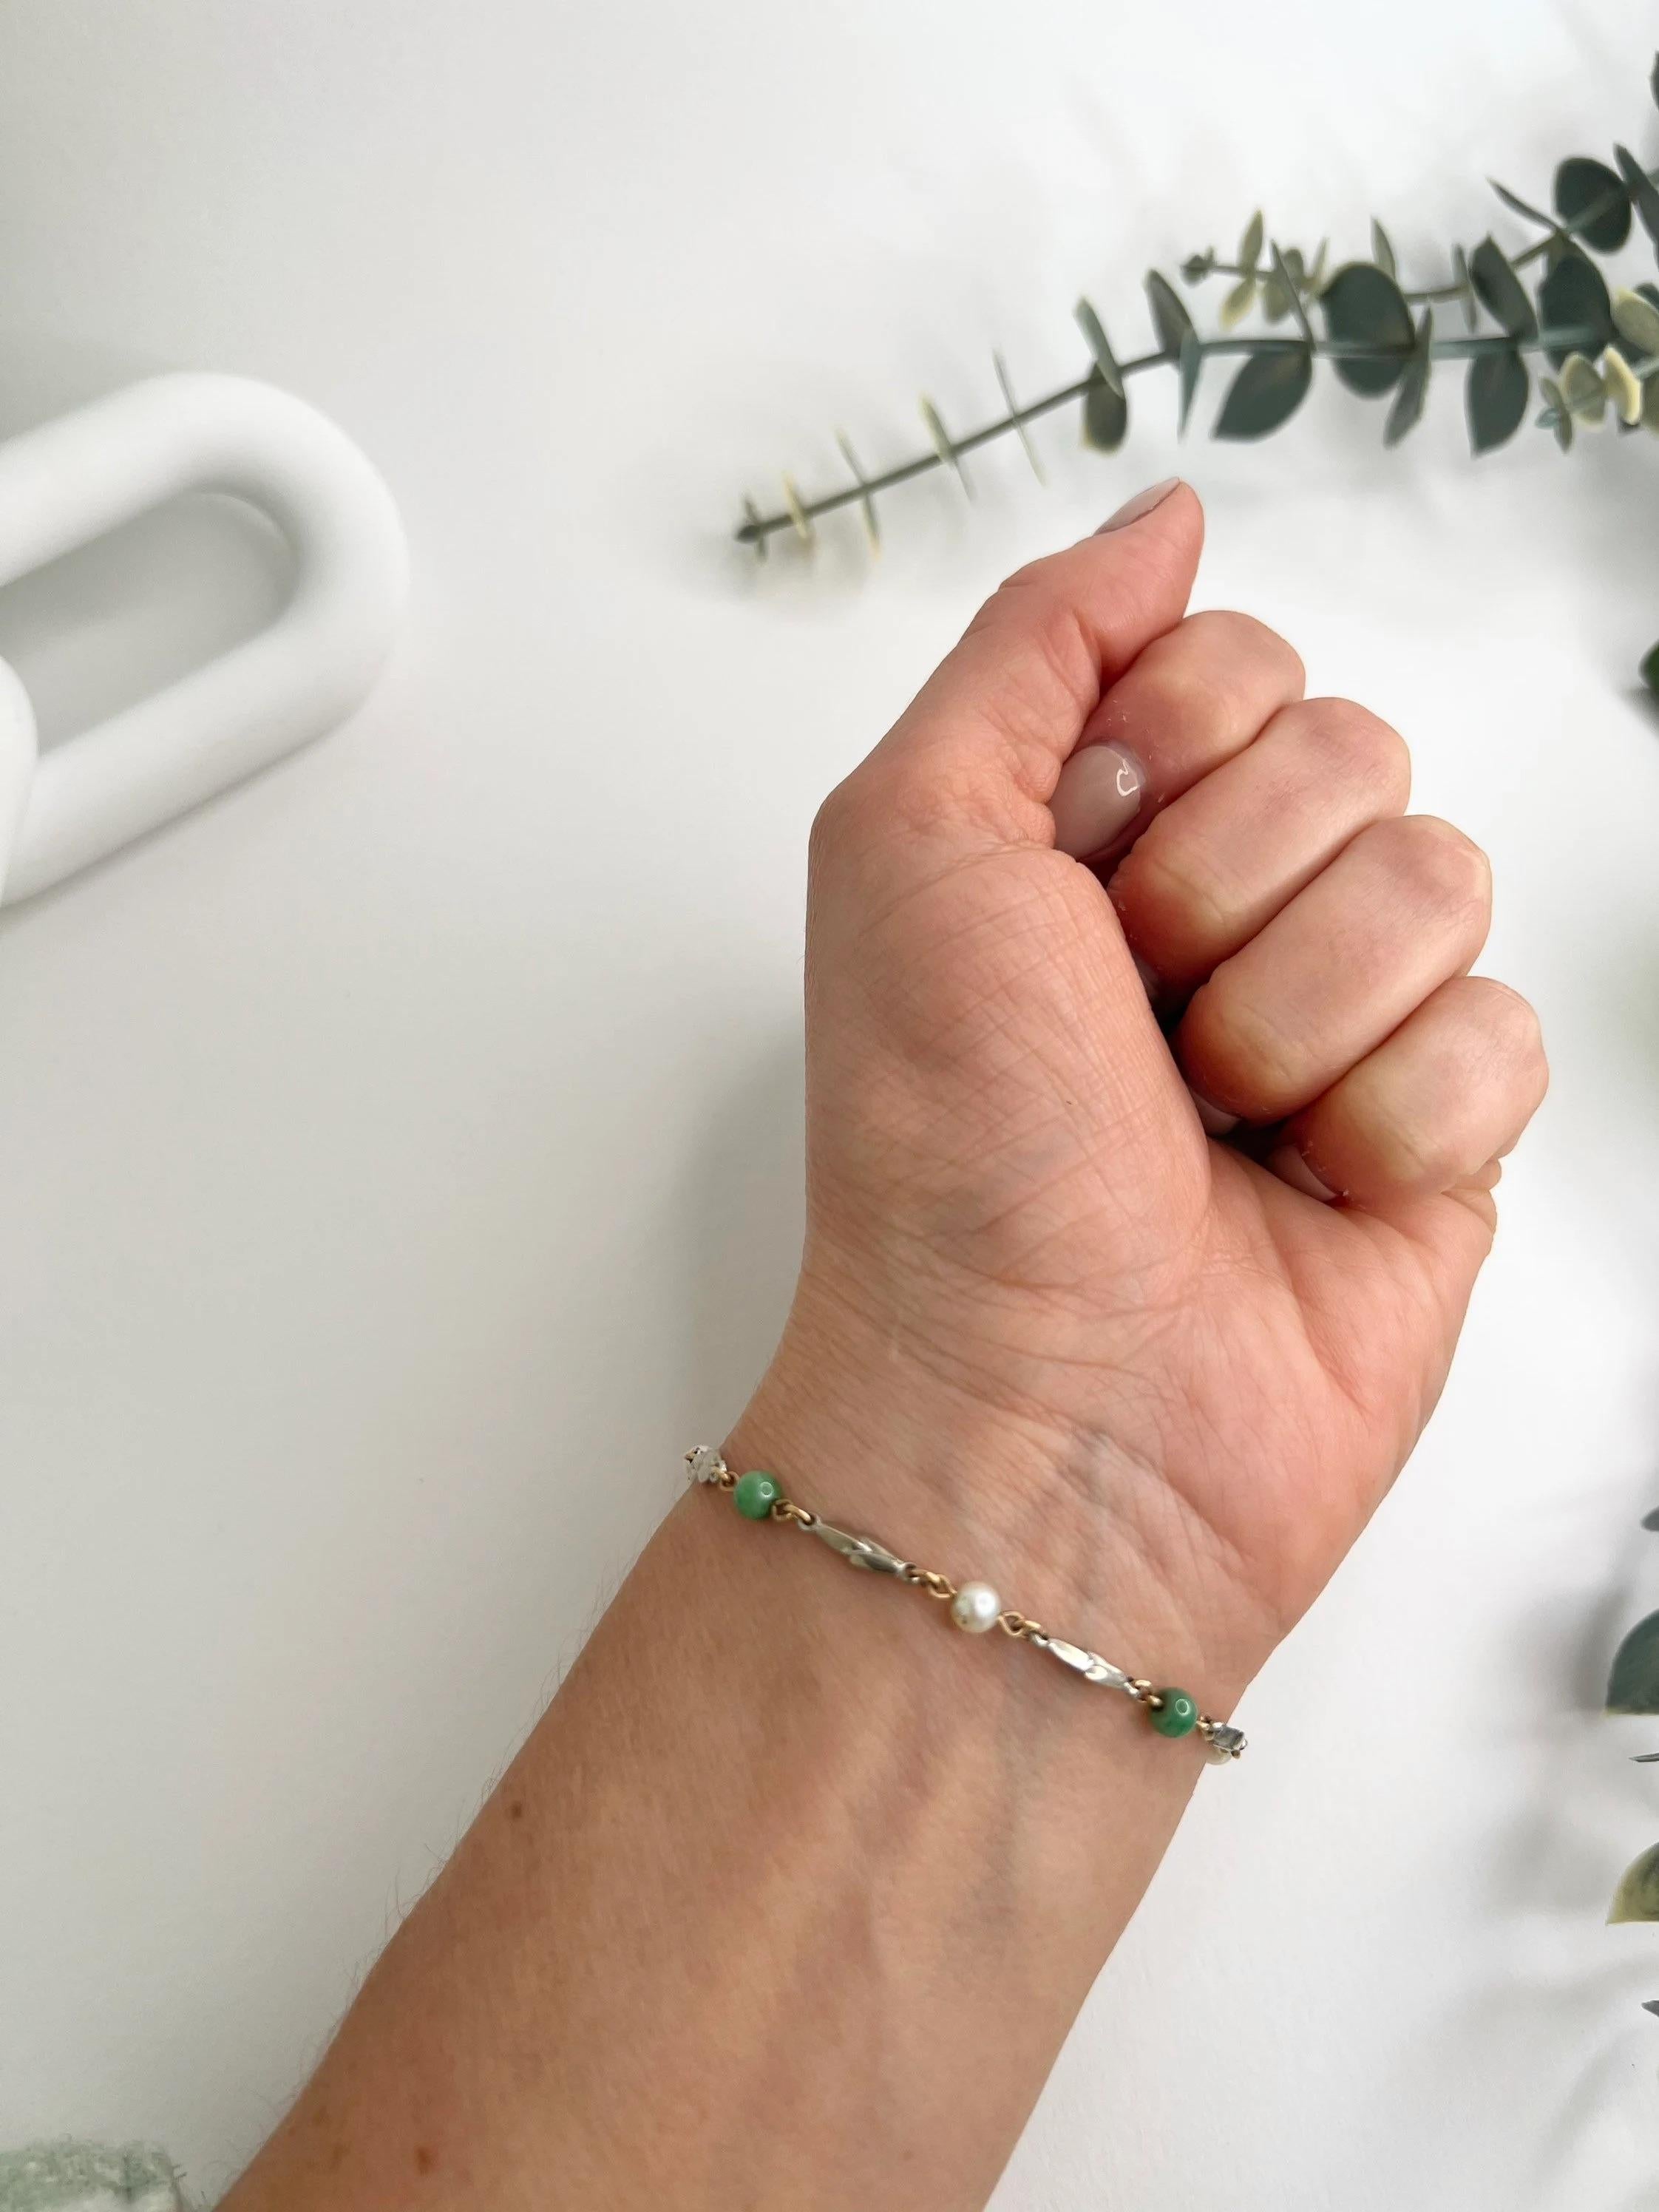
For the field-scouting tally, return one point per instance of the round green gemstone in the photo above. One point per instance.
(755, 1494)
(1175, 1713)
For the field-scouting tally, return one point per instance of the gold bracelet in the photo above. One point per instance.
(975, 1606)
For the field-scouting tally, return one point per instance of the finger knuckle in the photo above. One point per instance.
(1433, 859)
(1512, 1022)
(1237, 1054)
(1241, 638)
(832, 826)
(1347, 741)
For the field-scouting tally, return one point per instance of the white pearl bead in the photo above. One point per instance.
(975, 1608)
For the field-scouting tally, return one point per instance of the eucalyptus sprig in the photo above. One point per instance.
(1594, 351)
(1633, 1687)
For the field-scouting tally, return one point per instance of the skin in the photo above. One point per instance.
(788, 1866)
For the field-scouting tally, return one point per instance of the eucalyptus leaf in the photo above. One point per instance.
(1275, 297)
(1642, 191)
(1364, 306)
(1649, 669)
(1502, 293)
(1513, 200)
(1287, 267)
(1592, 198)
(1557, 415)
(1267, 392)
(1099, 345)
(1407, 408)
(1633, 1685)
(1465, 288)
(1249, 246)
(1623, 387)
(1651, 2004)
(1192, 360)
(1637, 1897)
(1495, 398)
(1574, 297)
(1638, 321)
(1653, 81)
(1169, 318)
(1650, 1520)
(1644, 1759)
(1584, 393)
(1651, 421)
(1105, 413)
(1382, 250)
(1237, 303)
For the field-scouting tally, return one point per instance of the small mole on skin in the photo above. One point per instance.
(425, 2159)
(515, 1810)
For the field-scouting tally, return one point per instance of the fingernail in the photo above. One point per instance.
(1288, 1165)
(1142, 503)
(1217, 1121)
(1098, 797)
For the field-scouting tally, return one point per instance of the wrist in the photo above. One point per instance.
(1078, 1530)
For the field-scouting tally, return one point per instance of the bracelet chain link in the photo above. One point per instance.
(971, 1605)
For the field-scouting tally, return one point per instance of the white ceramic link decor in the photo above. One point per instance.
(70, 482)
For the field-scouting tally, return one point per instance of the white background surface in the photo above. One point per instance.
(398, 1162)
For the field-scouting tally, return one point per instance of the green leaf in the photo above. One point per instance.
(1267, 392)
(1574, 297)
(1633, 1685)
(1287, 267)
(1382, 250)
(1653, 81)
(1637, 320)
(1648, 670)
(1364, 306)
(1557, 414)
(1637, 1897)
(1495, 398)
(1249, 246)
(1651, 2004)
(1582, 185)
(1502, 293)
(1650, 1520)
(1169, 318)
(1514, 201)
(1192, 360)
(1099, 345)
(1643, 190)
(1197, 266)
(1237, 303)
(1465, 288)
(1407, 404)
(1583, 391)
(1623, 387)
(1105, 413)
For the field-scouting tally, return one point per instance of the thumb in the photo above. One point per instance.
(988, 734)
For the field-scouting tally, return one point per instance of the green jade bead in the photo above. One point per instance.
(755, 1494)
(1175, 1713)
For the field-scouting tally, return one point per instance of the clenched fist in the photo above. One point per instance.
(1153, 1115)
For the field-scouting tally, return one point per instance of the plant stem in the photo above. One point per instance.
(758, 527)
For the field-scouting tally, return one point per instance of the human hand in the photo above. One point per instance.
(1036, 1296)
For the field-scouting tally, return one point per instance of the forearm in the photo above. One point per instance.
(792, 1895)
